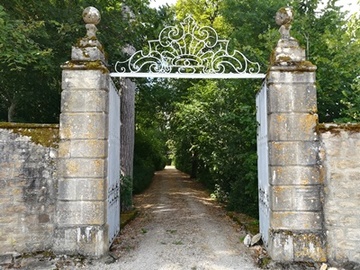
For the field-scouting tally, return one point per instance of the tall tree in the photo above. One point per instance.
(36, 37)
(21, 59)
(333, 46)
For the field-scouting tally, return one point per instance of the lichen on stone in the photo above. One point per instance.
(337, 128)
(44, 134)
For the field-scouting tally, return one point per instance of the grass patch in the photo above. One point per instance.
(250, 224)
(126, 217)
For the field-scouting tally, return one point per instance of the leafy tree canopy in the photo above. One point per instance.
(36, 38)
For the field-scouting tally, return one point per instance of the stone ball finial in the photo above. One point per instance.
(284, 16)
(91, 15)
(287, 51)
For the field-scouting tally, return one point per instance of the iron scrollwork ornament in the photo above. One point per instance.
(188, 48)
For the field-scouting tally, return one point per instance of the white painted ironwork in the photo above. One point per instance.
(188, 51)
(113, 171)
(263, 163)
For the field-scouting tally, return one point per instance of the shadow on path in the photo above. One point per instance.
(179, 227)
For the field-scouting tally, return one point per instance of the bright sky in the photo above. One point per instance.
(349, 5)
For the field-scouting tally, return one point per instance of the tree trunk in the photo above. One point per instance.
(11, 112)
(127, 141)
(127, 130)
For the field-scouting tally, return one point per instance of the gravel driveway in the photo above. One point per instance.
(179, 227)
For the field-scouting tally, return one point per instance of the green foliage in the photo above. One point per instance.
(126, 190)
(22, 59)
(148, 158)
(253, 27)
(351, 101)
(333, 45)
(214, 130)
(205, 12)
(150, 134)
(36, 38)
(19, 50)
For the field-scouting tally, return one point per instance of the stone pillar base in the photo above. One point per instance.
(287, 245)
(84, 240)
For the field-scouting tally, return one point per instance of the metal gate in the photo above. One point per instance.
(113, 170)
(263, 163)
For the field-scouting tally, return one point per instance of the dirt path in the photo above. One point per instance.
(179, 227)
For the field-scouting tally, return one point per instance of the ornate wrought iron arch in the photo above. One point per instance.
(188, 51)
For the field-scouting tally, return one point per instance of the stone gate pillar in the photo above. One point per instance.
(81, 226)
(296, 219)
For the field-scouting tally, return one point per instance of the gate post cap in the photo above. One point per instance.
(88, 48)
(288, 52)
(284, 18)
(91, 15)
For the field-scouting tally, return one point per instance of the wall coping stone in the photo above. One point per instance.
(335, 128)
(11, 125)
(46, 135)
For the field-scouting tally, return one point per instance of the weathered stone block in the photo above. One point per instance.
(336, 179)
(351, 147)
(81, 213)
(83, 126)
(288, 51)
(84, 101)
(87, 54)
(295, 198)
(309, 247)
(294, 175)
(281, 76)
(292, 98)
(350, 204)
(333, 149)
(8, 218)
(83, 149)
(293, 153)
(300, 221)
(304, 246)
(349, 163)
(6, 258)
(65, 240)
(43, 218)
(292, 127)
(85, 240)
(84, 79)
(281, 246)
(82, 168)
(73, 189)
(337, 217)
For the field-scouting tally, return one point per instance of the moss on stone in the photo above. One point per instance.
(85, 65)
(44, 134)
(294, 65)
(337, 128)
(284, 59)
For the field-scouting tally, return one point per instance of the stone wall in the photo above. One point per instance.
(341, 160)
(28, 180)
